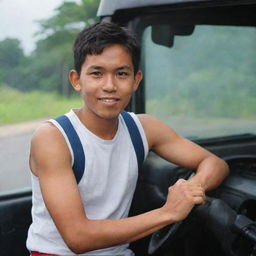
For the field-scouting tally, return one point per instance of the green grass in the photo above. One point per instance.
(16, 106)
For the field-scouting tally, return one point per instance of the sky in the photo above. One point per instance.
(18, 19)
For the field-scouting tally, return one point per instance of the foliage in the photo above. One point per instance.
(208, 74)
(11, 54)
(69, 15)
(46, 69)
(12, 60)
(16, 106)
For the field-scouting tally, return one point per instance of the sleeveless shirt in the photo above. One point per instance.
(106, 187)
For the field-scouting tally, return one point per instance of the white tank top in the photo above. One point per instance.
(106, 187)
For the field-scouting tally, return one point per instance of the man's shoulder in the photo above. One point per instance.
(46, 131)
(146, 119)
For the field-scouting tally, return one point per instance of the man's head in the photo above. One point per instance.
(94, 39)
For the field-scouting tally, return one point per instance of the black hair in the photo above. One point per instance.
(94, 39)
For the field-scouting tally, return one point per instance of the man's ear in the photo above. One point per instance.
(74, 79)
(138, 77)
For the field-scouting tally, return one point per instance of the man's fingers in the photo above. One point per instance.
(195, 191)
(182, 197)
(198, 195)
(199, 199)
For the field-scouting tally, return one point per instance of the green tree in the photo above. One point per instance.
(12, 59)
(11, 54)
(53, 55)
(70, 15)
(47, 67)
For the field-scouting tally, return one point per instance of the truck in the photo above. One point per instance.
(199, 65)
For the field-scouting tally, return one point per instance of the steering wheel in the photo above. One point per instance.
(226, 227)
(159, 237)
(220, 225)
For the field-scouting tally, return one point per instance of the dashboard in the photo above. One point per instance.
(239, 188)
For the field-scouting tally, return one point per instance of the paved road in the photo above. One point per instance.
(14, 153)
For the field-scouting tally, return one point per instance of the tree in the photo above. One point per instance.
(53, 55)
(70, 15)
(47, 67)
(12, 59)
(11, 54)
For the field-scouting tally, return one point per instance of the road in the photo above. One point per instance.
(14, 154)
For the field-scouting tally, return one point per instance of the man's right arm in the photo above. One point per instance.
(50, 160)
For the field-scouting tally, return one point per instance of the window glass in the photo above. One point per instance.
(36, 42)
(205, 85)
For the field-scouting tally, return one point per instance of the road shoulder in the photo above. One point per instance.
(15, 129)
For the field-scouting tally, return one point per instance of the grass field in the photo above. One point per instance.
(16, 106)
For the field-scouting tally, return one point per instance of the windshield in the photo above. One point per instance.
(205, 84)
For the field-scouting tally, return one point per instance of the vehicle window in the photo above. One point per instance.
(35, 56)
(205, 85)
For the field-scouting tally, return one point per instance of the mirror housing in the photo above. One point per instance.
(164, 34)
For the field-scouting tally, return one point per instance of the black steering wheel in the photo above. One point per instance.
(159, 237)
(220, 225)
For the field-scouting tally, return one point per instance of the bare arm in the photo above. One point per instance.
(51, 162)
(210, 170)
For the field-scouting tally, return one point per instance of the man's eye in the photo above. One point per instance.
(122, 74)
(96, 74)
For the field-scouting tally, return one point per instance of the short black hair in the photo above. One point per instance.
(94, 39)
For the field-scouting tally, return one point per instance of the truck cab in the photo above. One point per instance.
(198, 60)
(199, 66)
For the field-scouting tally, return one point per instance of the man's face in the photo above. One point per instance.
(107, 82)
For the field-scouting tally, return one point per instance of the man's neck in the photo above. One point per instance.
(103, 128)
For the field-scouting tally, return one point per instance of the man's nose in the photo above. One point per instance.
(109, 84)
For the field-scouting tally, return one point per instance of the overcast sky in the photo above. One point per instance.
(17, 19)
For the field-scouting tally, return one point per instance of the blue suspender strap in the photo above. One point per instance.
(135, 137)
(78, 152)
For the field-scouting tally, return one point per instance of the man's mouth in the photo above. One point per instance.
(109, 99)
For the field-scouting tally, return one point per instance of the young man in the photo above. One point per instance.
(89, 215)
